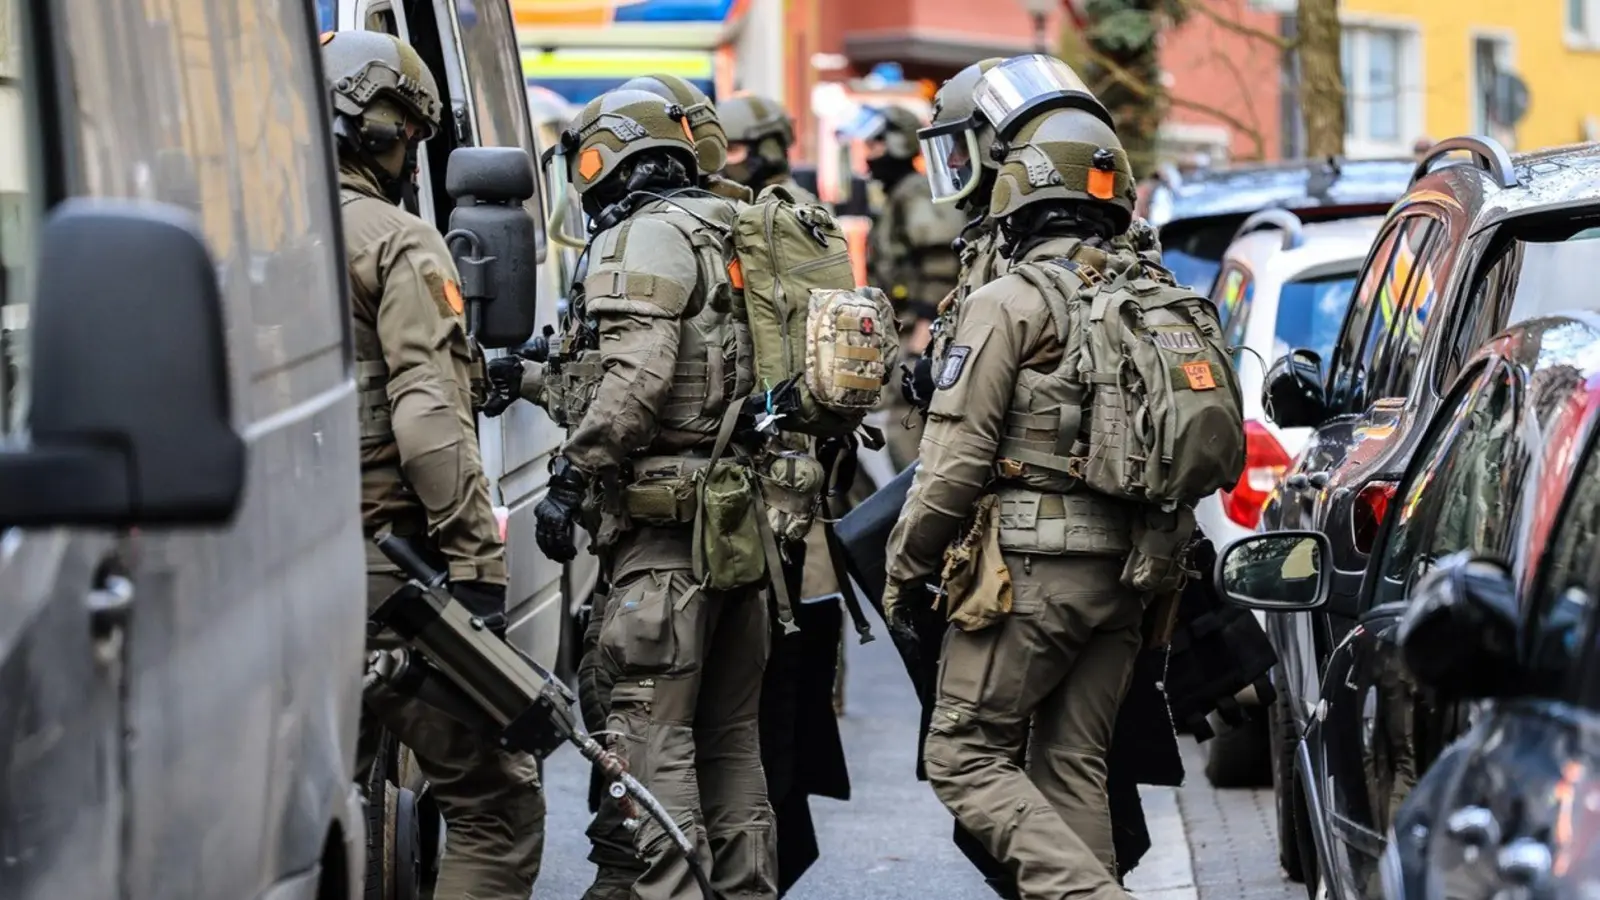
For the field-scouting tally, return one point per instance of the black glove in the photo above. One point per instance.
(558, 510)
(537, 349)
(485, 601)
(916, 383)
(505, 384)
(783, 400)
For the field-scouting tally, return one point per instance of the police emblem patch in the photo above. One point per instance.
(954, 362)
(1178, 340)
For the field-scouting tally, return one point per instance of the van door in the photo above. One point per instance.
(61, 660)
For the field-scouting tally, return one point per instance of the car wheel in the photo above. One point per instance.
(379, 820)
(1240, 757)
(405, 858)
(1282, 734)
(430, 823)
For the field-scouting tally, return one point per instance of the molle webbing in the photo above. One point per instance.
(1079, 523)
(372, 398)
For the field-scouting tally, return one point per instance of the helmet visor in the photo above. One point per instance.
(866, 125)
(951, 153)
(1017, 87)
(566, 209)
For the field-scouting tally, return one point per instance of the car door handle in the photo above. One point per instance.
(1473, 826)
(1524, 862)
(1319, 480)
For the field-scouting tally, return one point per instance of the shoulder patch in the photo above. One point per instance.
(955, 362)
(446, 294)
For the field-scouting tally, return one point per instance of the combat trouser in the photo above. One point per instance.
(617, 864)
(1060, 662)
(491, 799)
(684, 708)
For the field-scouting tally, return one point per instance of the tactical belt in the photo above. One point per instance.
(1080, 523)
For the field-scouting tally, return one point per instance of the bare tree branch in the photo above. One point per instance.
(1206, 9)
(1123, 77)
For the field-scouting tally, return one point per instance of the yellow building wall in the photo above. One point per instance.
(1561, 78)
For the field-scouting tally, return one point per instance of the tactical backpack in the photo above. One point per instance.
(1165, 424)
(807, 318)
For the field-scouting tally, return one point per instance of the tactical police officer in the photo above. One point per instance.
(760, 133)
(421, 473)
(710, 138)
(1056, 647)
(650, 385)
(910, 257)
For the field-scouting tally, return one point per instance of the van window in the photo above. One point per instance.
(1232, 294)
(1309, 313)
(19, 217)
(1358, 373)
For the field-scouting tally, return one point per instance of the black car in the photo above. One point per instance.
(1501, 500)
(1472, 248)
(1198, 214)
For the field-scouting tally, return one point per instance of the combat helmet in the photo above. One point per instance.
(894, 125)
(955, 146)
(762, 132)
(710, 140)
(367, 68)
(619, 125)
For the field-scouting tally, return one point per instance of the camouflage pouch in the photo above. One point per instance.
(976, 581)
(791, 483)
(851, 348)
(1157, 561)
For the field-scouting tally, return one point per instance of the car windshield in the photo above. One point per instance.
(1548, 272)
(1310, 312)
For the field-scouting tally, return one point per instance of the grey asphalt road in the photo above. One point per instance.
(892, 840)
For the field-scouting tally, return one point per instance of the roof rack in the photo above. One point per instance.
(1281, 219)
(1487, 154)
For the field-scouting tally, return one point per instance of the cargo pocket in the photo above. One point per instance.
(640, 632)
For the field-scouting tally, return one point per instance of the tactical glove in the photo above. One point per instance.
(537, 349)
(916, 383)
(505, 384)
(485, 601)
(556, 513)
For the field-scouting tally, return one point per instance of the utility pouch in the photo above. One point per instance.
(791, 484)
(1156, 563)
(662, 492)
(977, 583)
(728, 551)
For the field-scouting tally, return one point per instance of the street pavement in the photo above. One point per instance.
(891, 841)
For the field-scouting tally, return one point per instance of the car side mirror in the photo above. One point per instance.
(495, 241)
(1280, 571)
(1293, 396)
(130, 417)
(1461, 634)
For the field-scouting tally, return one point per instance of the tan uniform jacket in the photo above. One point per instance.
(645, 280)
(420, 465)
(1005, 326)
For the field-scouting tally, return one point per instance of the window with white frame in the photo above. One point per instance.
(1491, 101)
(1582, 22)
(1383, 111)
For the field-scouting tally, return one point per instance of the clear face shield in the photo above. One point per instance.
(950, 151)
(1025, 85)
(866, 125)
(566, 209)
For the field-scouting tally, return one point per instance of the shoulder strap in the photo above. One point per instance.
(348, 196)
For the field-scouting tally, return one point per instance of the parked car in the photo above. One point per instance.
(1472, 248)
(1198, 214)
(182, 601)
(1506, 474)
(1283, 284)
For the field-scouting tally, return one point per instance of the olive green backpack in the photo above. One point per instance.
(807, 317)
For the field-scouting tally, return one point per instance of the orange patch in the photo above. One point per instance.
(1102, 184)
(736, 274)
(688, 132)
(452, 295)
(590, 164)
(919, 165)
(1199, 376)
(328, 36)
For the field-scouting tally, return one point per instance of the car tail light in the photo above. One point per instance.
(1372, 504)
(1264, 463)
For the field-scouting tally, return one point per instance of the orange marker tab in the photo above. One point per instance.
(736, 274)
(1102, 183)
(590, 164)
(452, 295)
(1199, 376)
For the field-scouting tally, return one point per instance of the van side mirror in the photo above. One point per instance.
(1293, 396)
(1279, 571)
(495, 242)
(130, 416)
(1461, 635)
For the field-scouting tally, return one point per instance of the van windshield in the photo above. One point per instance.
(1310, 312)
